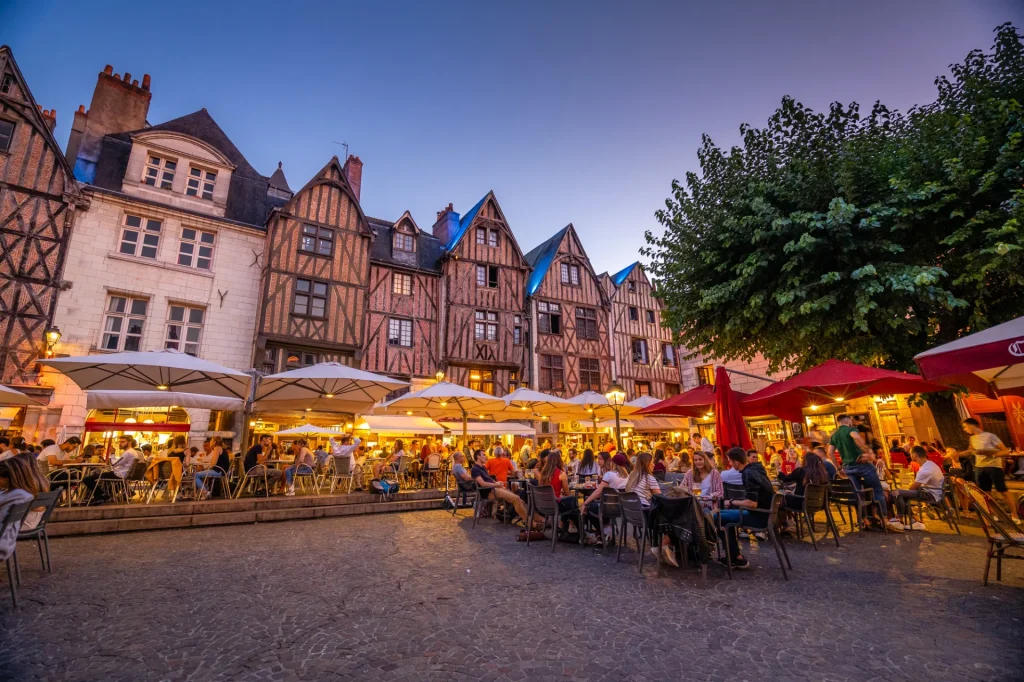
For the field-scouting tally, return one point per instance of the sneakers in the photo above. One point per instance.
(917, 525)
(740, 563)
(669, 556)
(290, 492)
(895, 526)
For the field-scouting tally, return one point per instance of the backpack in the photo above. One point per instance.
(383, 488)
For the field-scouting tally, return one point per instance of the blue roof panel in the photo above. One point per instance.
(619, 277)
(540, 260)
(464, 224)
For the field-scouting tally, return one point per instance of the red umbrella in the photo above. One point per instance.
(832, 381)
(730, 429)
(983, 361)
(693, 403)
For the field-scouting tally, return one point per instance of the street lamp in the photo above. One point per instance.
(52, 335)
(616, 396)
(439, 376)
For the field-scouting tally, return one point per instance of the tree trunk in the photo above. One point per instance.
(947, 419)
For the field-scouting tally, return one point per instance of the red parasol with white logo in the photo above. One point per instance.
(989, 361)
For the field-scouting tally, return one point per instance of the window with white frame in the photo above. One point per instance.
(517, 330)
(201, 183)
(481, 235)
(487, 276)
(570, 274)
(639, 348)
(310, 298)
(549, 318)
(124, 323)
(184, 328)
(492, 238)
(196, 248)
(401, 284)
(668, 355)
(160, 172)
(400, 333)
(318, 240)
(139, 236)
(485, 326)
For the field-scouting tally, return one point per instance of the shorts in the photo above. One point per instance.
(989, 477)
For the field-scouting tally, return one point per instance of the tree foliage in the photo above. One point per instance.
(862, 237)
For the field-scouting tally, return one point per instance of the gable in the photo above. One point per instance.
(485, 214)
(327, 209)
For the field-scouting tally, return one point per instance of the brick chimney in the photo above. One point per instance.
(50, 118)
(354, 173)
(447, 224)
(118, 105)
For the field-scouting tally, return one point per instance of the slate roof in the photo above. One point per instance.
(619, 277)
(428, 248)
(540, 259)
(464, 224)
(278, 181)
(247, 195)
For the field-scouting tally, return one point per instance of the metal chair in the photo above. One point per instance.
(632, 510)
(48, 501)
(431, 470)
(760, 521)
(68, 480)
(467, 491)
(842, 492)
(115, 485)
(607, 511)
(1000, 531)
(252, 479)
(339, 471)
(815, 499)
(543, 503)
(941, 506)
(15, 515)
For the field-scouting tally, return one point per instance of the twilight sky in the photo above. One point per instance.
(577, 112)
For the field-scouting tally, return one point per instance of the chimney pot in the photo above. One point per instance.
(81, 108)
(145, 81)
(117, 76)
(108, 69)
(135, 83)
(127, 77)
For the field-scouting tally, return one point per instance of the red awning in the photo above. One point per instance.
(693, 403)
(983, 361)
(832, 381)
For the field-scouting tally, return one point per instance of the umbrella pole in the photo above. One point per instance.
(465, 432)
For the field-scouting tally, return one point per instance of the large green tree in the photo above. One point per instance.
(862, 237)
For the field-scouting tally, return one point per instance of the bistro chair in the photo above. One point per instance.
(251, 480)
(843, 493)
(759, 521)
(607, 511)
(632, 510)
(814, 500)
(162, 483)
(68, 480)
(48, 501)
(943, 507)
(734, 491)
(15, 514)
(339, 472)
(224, 480)
(1000, 531)
(543, 503)
(469, 493)
(431, 470)
(301, 477)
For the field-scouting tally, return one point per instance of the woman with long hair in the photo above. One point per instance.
(21, 472)
(588, 465)
(605, 462)
(684, 464)
(552, 473)
(813, 472)
(641, 479)
(659, 462)
(705, 477)
(615, 479)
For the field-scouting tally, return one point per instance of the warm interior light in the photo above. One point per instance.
(814, 407)
(252, 425)
(444, 403)
(544, 417)
(162, 387)
(147, 421)
(129, 420)
(328, 395)
(309, 409)
(839, 400)
(408, 412)
(348, 425)
(523, 408)
(174, 407)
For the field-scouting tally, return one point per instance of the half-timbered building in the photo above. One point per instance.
(645, 359)
(38, 195)
(485, 333)
(316, 274)
(165, 254)
(403, 302)
(569, 313)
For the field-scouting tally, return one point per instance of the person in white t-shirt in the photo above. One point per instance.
(989, 454)
(616, 479)
(927, 485)
(55, 455)
(347, 446)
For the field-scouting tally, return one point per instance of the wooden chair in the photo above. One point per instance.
(1000, 531)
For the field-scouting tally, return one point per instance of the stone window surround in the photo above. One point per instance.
(151, 147)
(152, 297)
(186, 221)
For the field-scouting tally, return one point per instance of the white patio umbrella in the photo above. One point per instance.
(641, 402)
(525, 403)
(308, 429)
(444, 399)
(326, 387)
(106, 400)
(10, 397)
(159, 370)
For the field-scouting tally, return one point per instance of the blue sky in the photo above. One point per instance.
(577, 112)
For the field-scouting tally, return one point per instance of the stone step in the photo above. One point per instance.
(133, 517)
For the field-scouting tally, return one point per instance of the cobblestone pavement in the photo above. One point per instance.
(421, 596)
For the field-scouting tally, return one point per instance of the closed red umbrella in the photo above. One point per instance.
(832, 381)
(693, 403)
(730, 429)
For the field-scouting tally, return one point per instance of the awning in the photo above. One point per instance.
(492, 428)
(398, 425)
(681, 424)
(108, 400)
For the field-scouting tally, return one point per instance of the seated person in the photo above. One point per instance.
(221, 464)
(830, 467)
(21, 473)
(756, 483)
(56, 455)
(491, 489)
(927, 485)
(641, 479)
(614, 479)
(302, 464)
(731, 474)
(705, 476)
(500, 466)
(146, 452)
(354, 449)
(659, 466)
(120, 467)
(589, 465)
(255, 462)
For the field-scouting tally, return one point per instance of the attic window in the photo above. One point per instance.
(404, 242)
(492, 238)
(201, 183)
(160, 172)
(6, 135)
(570, 274)
(631, 286)
(8, 81)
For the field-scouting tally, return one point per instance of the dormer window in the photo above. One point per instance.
(201, 183)
(404, 242)
(485, 236)
(160, 172)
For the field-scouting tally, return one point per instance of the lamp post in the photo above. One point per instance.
(52, 335)
(616, 396)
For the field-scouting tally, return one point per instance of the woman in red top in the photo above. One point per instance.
(552, 473)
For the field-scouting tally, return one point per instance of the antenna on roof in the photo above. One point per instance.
(343, 144)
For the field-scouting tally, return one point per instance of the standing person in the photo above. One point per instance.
(56, 455)
(854, 451)
(120, 468)
(927, 485)
(525, 452)
(699, 442)
(989, 453)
